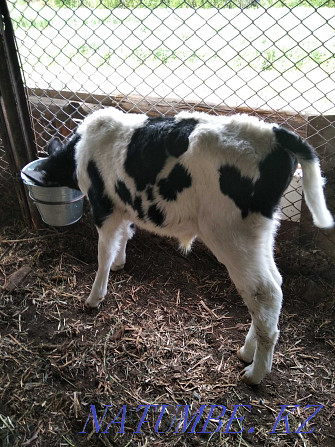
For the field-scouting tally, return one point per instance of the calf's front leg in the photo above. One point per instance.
(110, 237)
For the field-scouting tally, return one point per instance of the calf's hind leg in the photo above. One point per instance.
(246, 256)
(263, 300)
(246, 352)
(128, 230)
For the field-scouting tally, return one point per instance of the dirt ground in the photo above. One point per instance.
(166, 335)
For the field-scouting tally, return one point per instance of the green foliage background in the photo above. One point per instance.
(183, 3)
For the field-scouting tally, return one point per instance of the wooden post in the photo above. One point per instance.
(321, 135)
(16, 130)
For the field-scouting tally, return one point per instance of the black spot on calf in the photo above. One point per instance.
(151, 144)
(123, 192)
(138, 207)
(237, 187)
(276, 172)
(262, 196)
(177, 136)
(294, 143)
(178, 179)
(102, 205)
(156, 215)
(150, 193)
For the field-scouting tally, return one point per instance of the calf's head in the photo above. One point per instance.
(59, 169)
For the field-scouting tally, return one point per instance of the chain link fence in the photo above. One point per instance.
(274, 59)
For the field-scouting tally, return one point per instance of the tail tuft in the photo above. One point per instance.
(313, 183)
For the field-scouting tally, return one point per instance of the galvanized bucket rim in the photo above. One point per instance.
(65, 202)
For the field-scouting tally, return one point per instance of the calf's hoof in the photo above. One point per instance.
(92, 304)
(239, 355)
(115, 268)
(244, 358)
(249, 377)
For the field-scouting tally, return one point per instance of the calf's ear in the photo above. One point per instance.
(37, 177)
(38, 174)
(54, 145)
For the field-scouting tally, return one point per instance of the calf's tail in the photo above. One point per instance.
(312, 181)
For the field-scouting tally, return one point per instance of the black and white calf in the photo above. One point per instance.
(218, 178)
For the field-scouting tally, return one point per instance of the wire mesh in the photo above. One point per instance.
(271, 58)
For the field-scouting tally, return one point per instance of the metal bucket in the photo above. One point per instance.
(58, 205)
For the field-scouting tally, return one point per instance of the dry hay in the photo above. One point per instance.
(166, 334)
